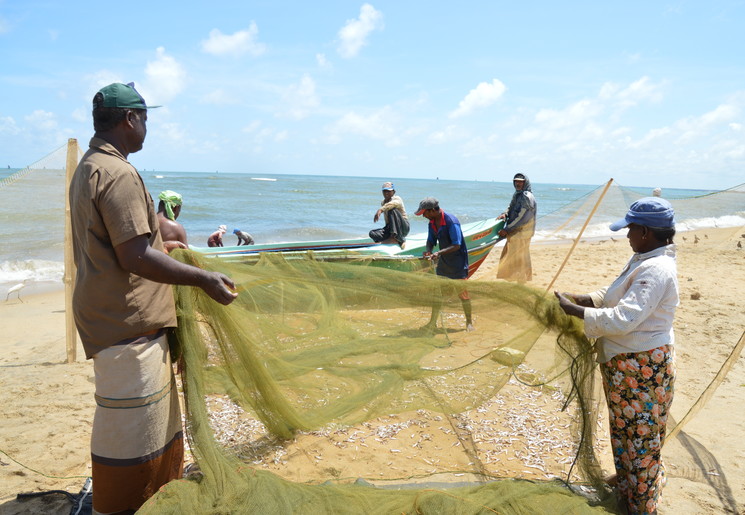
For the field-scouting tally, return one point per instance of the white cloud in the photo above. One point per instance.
(322, 61)
(172, 132)
(4, 25)
(353, 36)
(219, 97)
(80, 115)
(380, 125)
(42, 120)
(259, 134)
(576, 114)
(252, 127)
(97, 80)
(481, 96)
(693, 128)
(652, 137)
(239, 43)
(638, 91)
(737, 127)
(722, 114)
(166, 78)
(300, 99)
(8, 126)
(448, 134)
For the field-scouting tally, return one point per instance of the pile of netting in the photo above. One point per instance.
(335, 395)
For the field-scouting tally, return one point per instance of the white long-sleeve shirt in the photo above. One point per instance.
(635, 313)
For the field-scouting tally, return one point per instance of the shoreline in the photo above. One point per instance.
(714, 233)
(47, 405)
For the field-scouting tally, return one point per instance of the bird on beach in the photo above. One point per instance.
(16, 289)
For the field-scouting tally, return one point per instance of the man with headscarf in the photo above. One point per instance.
(396, 222)
(172, 232)
(514, 263)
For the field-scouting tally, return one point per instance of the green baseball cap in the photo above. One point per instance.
(124, 96)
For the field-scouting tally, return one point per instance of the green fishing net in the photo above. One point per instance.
(328, 371)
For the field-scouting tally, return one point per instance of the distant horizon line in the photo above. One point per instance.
(13, 170)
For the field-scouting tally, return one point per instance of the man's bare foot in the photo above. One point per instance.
(470, 327)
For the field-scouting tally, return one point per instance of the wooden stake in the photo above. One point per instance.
(71, 333)
(576, 240)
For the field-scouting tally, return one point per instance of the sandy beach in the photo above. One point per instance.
(46, 404)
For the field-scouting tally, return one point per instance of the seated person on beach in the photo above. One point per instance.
(243, 237)
(215, 239)
(396, 222)
(172, 232)
(452, 258)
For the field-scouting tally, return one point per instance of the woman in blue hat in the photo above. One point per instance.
(632, 321)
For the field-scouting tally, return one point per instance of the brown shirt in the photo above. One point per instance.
(109, 206)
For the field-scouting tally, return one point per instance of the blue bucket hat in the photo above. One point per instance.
(649, 212)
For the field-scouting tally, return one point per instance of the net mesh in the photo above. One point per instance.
(325, 370)
(722, 209)
(316, 392)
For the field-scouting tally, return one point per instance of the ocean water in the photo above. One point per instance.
(277, 208)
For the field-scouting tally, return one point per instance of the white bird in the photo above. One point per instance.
(16, 289)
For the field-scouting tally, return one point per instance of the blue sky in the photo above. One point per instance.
(649, 93)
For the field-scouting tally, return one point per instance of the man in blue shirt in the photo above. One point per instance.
(451, 259)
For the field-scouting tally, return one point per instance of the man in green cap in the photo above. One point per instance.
(172, 232)
(123, 306)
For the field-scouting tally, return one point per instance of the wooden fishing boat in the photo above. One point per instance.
(480, 238)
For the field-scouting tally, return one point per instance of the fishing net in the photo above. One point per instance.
(337, 402)
(713, 210)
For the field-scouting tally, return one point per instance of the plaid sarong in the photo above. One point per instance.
(137, 438)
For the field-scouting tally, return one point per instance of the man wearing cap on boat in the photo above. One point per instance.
(123, 306)
(514, 263)
(451, 258)
(396, 222)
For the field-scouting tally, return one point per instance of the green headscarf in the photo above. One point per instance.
(170, 199)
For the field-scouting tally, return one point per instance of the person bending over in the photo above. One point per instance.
(243, 237)
(215, 239)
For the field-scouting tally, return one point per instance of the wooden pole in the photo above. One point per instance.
(71, 333)
(709, 391)
(576, 240)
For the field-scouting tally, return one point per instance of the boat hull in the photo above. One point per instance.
(480, 238)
